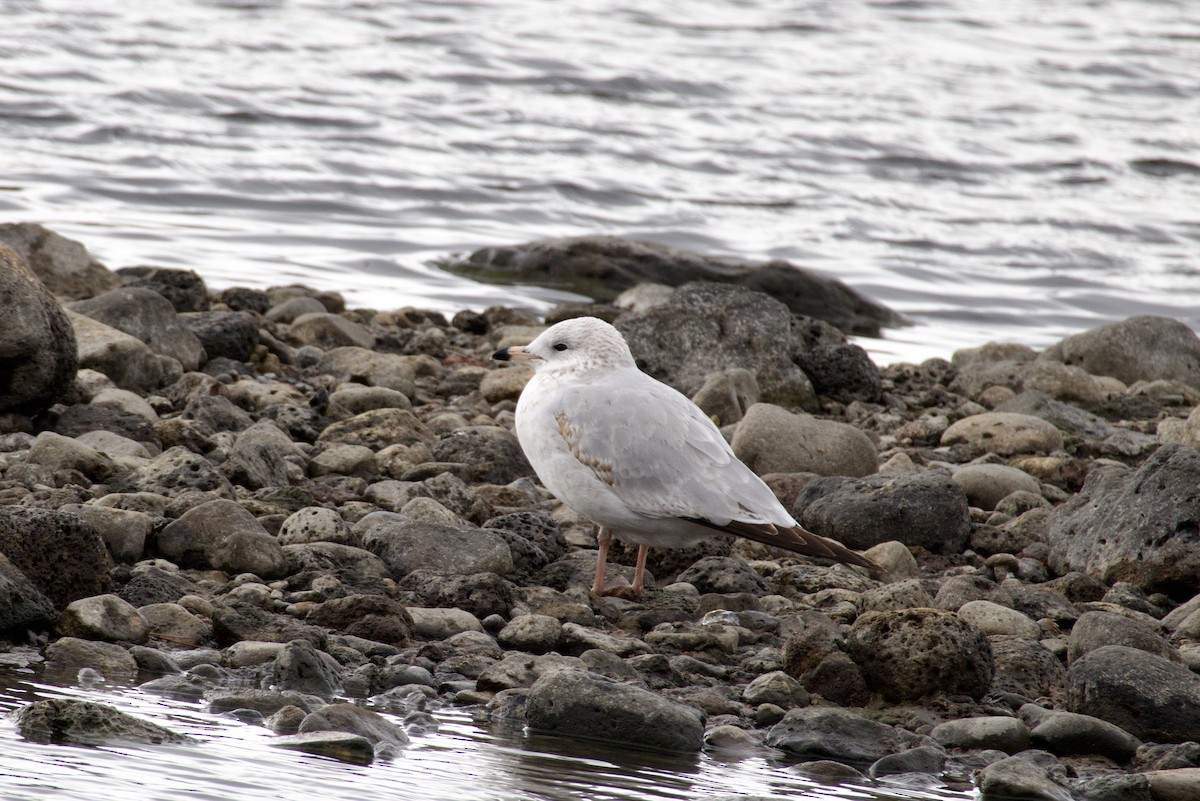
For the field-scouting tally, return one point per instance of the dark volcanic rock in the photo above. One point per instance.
(493, 452)
(68, 720)
(183, 288)
(38, 355)
(63, 556)
(1141, 526)
(603, 266)
(22, 605)
(925, 509)
(228, 334)
(147, 315)
(1146, 695)
(222, 534)
(1139, 348)
(816, 732)
(62, 264)
(372, 617)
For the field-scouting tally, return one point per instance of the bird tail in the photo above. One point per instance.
(796, 539)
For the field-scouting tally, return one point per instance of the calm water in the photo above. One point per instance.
(1017, 170)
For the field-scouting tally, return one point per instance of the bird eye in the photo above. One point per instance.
(561, 346)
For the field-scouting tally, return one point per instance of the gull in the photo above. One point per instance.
(636, 457)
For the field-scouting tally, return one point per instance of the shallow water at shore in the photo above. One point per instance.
(460, 760)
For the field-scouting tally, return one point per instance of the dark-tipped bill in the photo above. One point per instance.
(514, 353)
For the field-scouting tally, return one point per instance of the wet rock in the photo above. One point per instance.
(1066, 733)
(1148, 696)
(355, 720)
(1139, 348)
(59, 553)
(22, 606)
(342, 746)
(987, 484)
(1097, 629)
(909, 654)
(829, 732)
(405, 546)
(103, 617)
(1005, 434)
(1033, 775)
(706, 327)
(919, 509)
(265, 702)
(771, 439)
(222, 534)
(224, 334)
(62, 264)
(148, 316)
(1006, 734)
(302, 668)
(1113, 529)
(603, 266)
(37, 341)
(68, 720)
(128, 361)
(372, 617)
(111, 660)
(183, 288)
(581, 704)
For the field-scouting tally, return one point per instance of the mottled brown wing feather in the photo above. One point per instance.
(797, 539)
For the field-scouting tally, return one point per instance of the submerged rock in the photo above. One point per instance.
(87, 723)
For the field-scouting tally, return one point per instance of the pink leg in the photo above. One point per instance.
(640, 573)
(603, 539)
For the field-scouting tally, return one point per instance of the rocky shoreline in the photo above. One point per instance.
(307, 514)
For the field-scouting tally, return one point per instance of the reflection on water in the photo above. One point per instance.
(460, 761)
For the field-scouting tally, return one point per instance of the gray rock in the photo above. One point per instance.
(183, 288)
(958, 590)
(727, 394)
(1148, 696)
(1143, 348)
(315, 524)
(1026, 668)
(62, 264)
(61, 454)
(927, 759)
(603, 266)
(302, 668)
(523, 670)
(345, 460)
(328, 331)
(818, 732)
(103, 617)
(1067, 733)
(176, 624)
(1005, 433)
(923, 509)
(355, 720)
(708, 327)
(37, 340)
(909, 654)
(1173, 785)
(493, 453)
(23, 607)
(993, 619)
(71, 720)
(581, 704)
(841, 371)
(62, 556)
(481, 594)
(221, 534)
(771, 439)
(776, 688)
(579, 639)
(174, 472)
(1097, 629)
(1001, 733)
(110, 659)
(724, 574)
(348, 401)
(339, 745)
(372, 617)
(987, 484)
(1033, 776)
(265, 702)
(224, 334)
(148, 316)
(535, 634)
(1138, 525)
(441, 624)
(258, 457)
(378, 429)
(908, 594)
(236, 621)
(290, 309)
(406, 545)
(126, 360)
(365, 366)
(1063, 416)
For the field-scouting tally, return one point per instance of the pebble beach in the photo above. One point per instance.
(314, 515)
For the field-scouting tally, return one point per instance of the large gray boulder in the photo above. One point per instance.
(62, 264)
(222, 534)
(63, 556)
(87, 723)
(602, 266)
(1148, 696)
(582, 704)
(1137, 525)
(1143, 348)
(148, 316)
(37, 343)
(828, 732)
(770, 439)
